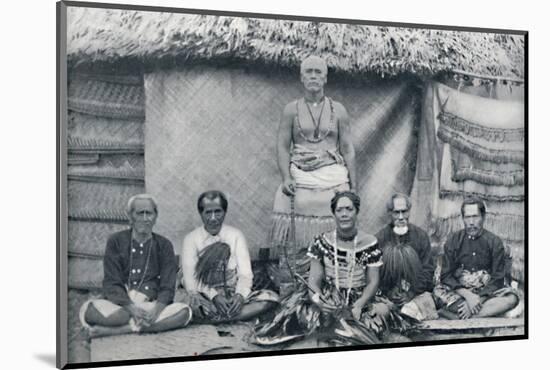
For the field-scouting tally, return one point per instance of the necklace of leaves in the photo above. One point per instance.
(317, 138)
(146, 261)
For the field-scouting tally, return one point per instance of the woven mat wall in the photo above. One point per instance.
(122, 169)
(85, 273)
(212, 128)
(106, 166)
(88, 239)
(98, 196)
(107, 96)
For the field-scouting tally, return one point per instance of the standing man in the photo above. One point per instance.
(139, 279)
(410, 245)
(474, 268)
(316, 158)
(217, 272)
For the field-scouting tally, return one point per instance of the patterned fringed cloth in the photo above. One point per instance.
(485, 129)
(466, 167)
(497, 193)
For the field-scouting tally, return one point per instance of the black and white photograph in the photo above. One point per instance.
(244, 184)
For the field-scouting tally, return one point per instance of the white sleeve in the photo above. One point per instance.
(189, 261)
(244, 268)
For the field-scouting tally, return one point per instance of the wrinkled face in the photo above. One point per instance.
(212, 215)
(473, 221)
(400, 213)
(345, 215)
(313, 74)
(143, 216)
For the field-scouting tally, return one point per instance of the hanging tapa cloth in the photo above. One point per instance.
(497, 193)
(485, 129)
(466, 167)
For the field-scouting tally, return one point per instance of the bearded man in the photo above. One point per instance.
(408, 264)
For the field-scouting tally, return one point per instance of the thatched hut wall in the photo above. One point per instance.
(237, 74)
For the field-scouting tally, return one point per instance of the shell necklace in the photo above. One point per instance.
(351, 261)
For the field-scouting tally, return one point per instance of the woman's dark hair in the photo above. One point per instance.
(345, 194)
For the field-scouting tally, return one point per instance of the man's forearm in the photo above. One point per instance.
(283, 161)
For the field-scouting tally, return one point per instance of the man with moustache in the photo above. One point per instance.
(217, 272)
(473, 269)
(140, 273)
(402, 241)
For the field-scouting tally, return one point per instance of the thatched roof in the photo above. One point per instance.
(110, 35)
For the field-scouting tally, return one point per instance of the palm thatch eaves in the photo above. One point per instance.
(109, 35)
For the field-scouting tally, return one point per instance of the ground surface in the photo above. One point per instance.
(202, 340)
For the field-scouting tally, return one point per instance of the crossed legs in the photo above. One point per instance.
(103, 318)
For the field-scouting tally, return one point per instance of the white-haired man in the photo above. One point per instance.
(402, 241)
(139, 279)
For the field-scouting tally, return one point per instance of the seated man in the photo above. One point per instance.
(473, 269)
(408, 265)
(217, 273)
(139, 279)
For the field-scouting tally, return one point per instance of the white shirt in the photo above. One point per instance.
(239, 259)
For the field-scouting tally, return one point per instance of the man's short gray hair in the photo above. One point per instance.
(132, 200)
(389, 205)
(314, 58)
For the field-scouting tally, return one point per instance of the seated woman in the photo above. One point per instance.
(343, 281)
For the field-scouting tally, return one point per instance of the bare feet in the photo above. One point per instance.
(97, 331)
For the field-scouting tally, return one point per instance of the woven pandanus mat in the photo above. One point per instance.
(126, 168)
(85, 126)
(80, 146)
(384, 119)
(85, 273)
(88, 239)
(100, 197)
(119, 97)
(211, 128)
(190, 341)
(83, 159)
(194, 340)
